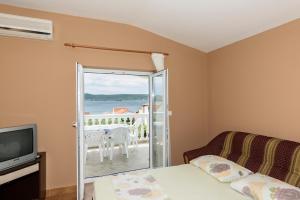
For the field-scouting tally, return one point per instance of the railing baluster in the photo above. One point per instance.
(130, 118)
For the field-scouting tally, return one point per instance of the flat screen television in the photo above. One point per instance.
(17, 145)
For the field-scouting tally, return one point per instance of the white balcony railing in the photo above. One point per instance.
(129, 118)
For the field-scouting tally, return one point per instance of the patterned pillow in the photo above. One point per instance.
(222, 169)
(261, 187)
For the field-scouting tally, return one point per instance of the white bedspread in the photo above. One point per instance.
(183, 182)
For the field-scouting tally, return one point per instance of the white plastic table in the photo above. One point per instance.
(97, 135)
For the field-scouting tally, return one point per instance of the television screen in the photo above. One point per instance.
(15, 144)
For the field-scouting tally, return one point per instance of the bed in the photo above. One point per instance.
(179, 183)
(274, 157)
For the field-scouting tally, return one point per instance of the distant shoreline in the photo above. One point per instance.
(106, 106)
(115, 97)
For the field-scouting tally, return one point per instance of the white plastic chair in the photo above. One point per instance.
(118, 136)
(95, 139)
(135, 136)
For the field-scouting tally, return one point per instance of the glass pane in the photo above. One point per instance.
(158, 121)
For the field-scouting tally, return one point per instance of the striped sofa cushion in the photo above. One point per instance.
(271, 156)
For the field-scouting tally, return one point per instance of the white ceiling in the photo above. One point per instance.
(203, 24)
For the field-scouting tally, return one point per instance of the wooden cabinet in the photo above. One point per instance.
(26, 181)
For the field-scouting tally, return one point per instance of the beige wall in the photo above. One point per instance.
(254, 84)
(37, 84)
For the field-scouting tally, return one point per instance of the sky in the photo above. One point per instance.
(115, 84)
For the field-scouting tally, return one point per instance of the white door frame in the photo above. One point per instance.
(120, 72)
(79, 130)
(86, 69)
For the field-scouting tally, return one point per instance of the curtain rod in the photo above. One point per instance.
(74, 45)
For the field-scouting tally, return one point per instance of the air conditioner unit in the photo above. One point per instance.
(19, 26)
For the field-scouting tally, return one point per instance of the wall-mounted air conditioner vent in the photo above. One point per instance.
(19, 26)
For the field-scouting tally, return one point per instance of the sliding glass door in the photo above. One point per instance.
(159, 120)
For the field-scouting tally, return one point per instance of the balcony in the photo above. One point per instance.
(138, 154)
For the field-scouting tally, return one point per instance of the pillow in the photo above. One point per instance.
(261, 187)
(222, 169)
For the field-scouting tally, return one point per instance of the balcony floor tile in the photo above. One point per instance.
(138, 159)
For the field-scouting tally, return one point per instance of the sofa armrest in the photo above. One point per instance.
(192, 154)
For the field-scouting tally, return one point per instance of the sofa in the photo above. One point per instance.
(270, 156)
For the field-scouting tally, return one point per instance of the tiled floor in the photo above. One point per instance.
(64, 197)
(88, 191)
(138, 159)
(71, 195)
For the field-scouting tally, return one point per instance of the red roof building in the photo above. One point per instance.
(120, 110)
